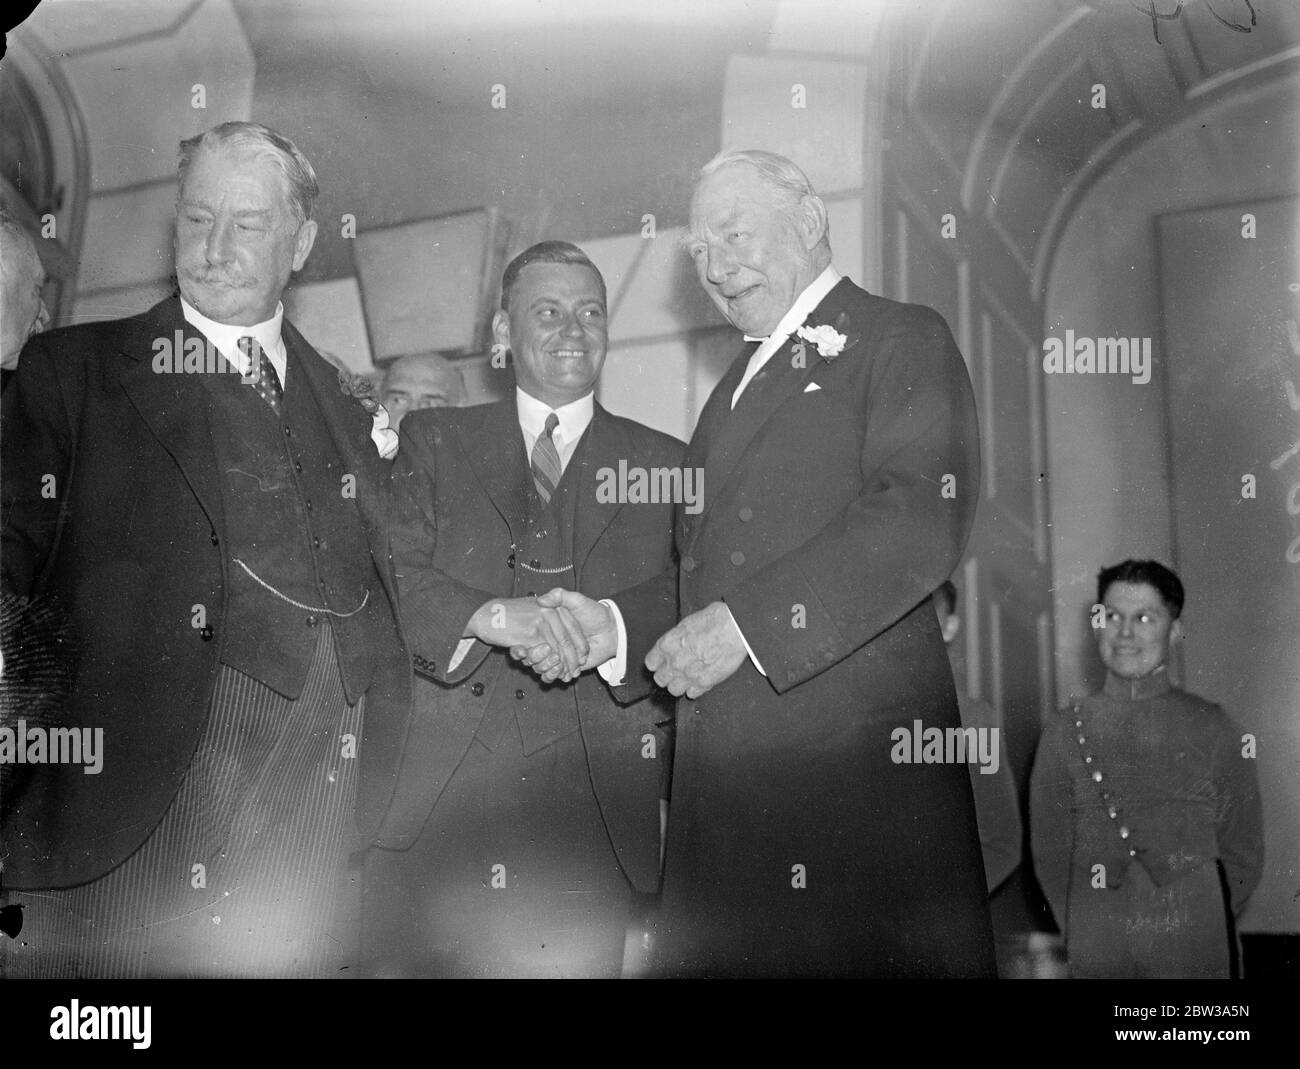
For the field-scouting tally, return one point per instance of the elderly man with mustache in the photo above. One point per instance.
(195, 497)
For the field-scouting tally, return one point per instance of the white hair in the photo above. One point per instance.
(777, 171)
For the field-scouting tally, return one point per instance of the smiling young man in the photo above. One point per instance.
(1144, 802)
(526, 811)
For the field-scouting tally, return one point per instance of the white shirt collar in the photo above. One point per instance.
(225, 337)
(804, 305)
(574, 417)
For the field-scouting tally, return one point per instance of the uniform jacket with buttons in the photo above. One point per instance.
(460, 534)
(1142, 772)
(113, 521)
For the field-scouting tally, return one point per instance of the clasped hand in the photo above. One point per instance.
(559, 635)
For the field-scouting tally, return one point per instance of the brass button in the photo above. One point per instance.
(688, 564)
(519, 694)
(737, 558)
(476, 690)
(312, 621)
(1096, 777)
(212, 537)
(510, 561)
(746, 514)
(206, 633)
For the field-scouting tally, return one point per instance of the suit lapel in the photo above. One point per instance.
(174, 406)
(348, 425)
(607, 443)
(495, 448)
(731, 432)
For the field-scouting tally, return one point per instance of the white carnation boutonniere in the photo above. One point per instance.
(829, 341)
(363, 389)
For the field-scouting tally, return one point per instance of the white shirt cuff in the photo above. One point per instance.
(614, 671)
(462, 651)
(752, 657)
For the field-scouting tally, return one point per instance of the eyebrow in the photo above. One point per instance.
(559, 301)
(242, 213)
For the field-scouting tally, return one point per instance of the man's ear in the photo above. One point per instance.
(812, 220)
(303, 242)
(1176, 631)
(501, 327)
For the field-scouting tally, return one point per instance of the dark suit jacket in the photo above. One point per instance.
(825, 527)
(127, 545)
(460, 505)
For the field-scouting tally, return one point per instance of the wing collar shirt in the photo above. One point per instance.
(225, 338)
(804, 306)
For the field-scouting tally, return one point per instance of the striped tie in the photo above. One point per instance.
(546, 461)
(261, 373)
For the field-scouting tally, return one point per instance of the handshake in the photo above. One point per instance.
(559, 635)
(563, 633)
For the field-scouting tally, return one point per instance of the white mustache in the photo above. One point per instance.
(214, 278)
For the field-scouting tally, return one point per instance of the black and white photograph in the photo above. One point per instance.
(765, 489)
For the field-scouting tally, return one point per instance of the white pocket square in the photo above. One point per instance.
(811, 386)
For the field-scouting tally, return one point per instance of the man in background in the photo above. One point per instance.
(22, 308)
(997, 809)
(424, 380)
(1144, 810)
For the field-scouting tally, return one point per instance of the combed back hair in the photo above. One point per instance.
(779, 172)
(946, 595)
(546, 252)
(266, 144)
(1153, 573)
(783, 175)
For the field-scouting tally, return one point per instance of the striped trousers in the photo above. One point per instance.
(246, 874)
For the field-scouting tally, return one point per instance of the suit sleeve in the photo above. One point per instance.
(901, 537)
(1051, 818)
(37, 446)
(1239, 828)
(649, 608)
(435, 607)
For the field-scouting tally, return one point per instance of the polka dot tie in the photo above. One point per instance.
(266, 382)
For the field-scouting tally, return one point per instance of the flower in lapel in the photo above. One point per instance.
(829, 341)
(363, 389)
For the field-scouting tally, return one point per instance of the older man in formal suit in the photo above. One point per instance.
(196, 497)
(841, 466)
(526, 812)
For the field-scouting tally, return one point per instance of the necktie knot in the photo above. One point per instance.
(546, 461)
